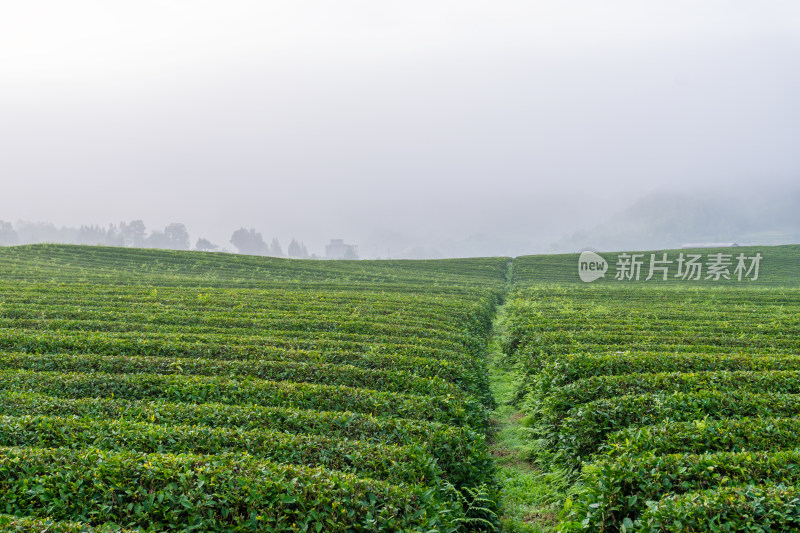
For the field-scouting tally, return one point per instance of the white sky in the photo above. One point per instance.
(337, 119)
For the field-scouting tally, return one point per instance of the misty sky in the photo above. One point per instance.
(364, 119)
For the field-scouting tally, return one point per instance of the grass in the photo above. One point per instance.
(532, 492)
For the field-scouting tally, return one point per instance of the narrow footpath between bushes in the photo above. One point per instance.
(531, 494)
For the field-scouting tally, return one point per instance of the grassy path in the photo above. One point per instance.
(532, 493)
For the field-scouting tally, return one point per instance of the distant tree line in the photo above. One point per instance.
(173, 237)
(249, 241)
(134, 234)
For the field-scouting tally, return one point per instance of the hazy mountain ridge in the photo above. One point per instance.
(671, 219)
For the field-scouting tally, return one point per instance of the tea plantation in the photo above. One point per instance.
(146, 390)
(157, 390)
(673, 400)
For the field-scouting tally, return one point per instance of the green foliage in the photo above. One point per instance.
(704, 436)
(587, 426)
(616, 489)
(779, 267)
(166, 390)
(324, 373)
(241, 390)
(359, 392)
(127, 266)
(232, 492)
(210, 350)
(749, 508)
(11, 523)
(554, 407)
(396, 464)
(649, 390)
(570, 368)
(460, 452)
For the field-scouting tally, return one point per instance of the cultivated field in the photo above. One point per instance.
(210, 392)
(156, 390)
(675, 402)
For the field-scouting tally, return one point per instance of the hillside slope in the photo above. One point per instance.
(674, 404)
(170, 390)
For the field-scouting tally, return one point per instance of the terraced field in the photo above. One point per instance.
(674, 403)
(209, 392)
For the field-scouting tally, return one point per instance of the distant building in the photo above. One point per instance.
(337, 249)
(710, 245)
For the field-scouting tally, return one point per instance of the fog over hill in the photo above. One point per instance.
(659, 220)
(670, 219)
